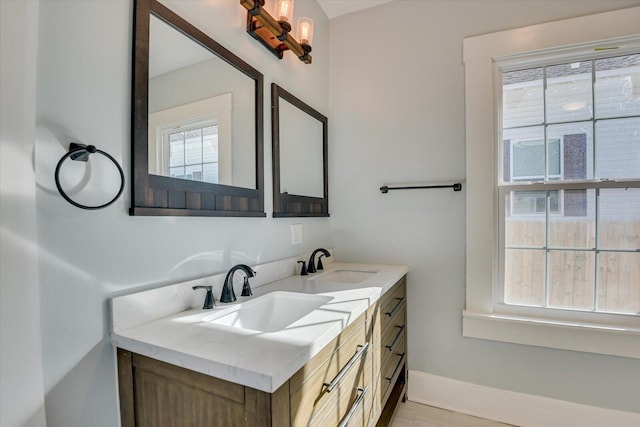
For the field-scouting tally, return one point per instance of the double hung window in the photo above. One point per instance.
(553, 184)
(570, 224)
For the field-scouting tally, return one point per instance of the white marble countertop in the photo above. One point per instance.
(257, 359)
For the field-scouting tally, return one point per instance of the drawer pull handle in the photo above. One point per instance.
(395, 371)
(330, 386)
(395, 340)
(397, 306)
(354, 408)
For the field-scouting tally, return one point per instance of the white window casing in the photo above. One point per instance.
(484, 315)
(216, 110)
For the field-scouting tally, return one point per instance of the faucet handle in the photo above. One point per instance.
(209, 302)
(320, 266)
(303, 270)
(246, 288)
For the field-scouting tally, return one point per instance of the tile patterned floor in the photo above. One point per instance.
(411, 414)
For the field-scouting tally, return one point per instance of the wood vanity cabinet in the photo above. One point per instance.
(359, 376)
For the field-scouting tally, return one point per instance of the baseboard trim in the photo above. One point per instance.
(509, 407)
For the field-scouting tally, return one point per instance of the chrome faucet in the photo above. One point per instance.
(228, 295)
(311, 268)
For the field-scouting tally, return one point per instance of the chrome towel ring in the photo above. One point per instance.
(81, 152)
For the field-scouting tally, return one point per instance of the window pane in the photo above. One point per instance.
(177, 172)
(572, 279)
(176, 149)
(524, 277)
(619, 282)
(210, 144)
(534, 202)
(618, 148)
(210, 171)
(577, 227)
(619, 226)
(194, 172)
(193, 147)
(554, 169)
(617, 86)
(574, 152)
(529, 230)
(522, 101)
(523, 154)
(528, 160)
(569, 92)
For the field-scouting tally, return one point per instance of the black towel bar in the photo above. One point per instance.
(456, 187)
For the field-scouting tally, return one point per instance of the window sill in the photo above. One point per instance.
(583, 337)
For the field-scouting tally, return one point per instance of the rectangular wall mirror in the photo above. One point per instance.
(300, 176)
(197, 122)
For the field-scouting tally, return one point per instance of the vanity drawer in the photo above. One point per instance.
(343, 364)
(320, 359)
(393, 339)
(392, 305)
(391, 368)
(347, 407)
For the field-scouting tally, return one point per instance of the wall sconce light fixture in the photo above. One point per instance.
(275, 34)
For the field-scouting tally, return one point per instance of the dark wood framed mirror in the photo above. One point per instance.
(197, 122)
(300, 175)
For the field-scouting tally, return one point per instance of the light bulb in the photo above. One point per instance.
(284, 11)
(305, 31)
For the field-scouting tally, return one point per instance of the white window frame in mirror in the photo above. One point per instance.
(215, 110)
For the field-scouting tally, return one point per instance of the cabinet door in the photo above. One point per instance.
(157, 394)
(163, 402)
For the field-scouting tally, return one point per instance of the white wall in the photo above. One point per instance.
(84, 79)
(21, 385)
(397, 117)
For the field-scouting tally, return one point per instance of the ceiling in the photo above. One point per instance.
(334, 8)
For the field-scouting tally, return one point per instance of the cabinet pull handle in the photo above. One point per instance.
(354, 407)
(397, 366)
(397, 306)
(330, 386)
(395, 340)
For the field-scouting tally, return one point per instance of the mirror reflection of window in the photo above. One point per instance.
(193, 141)
(191, 90)
(193, 153)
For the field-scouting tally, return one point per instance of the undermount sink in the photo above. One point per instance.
(272, 312)
(347, 276)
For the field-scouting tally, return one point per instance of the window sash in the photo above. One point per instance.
(505, 189)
